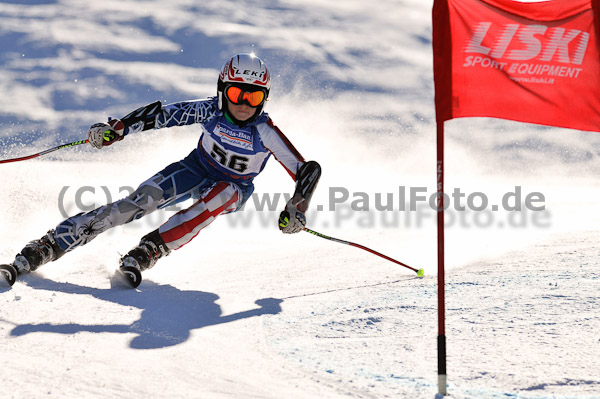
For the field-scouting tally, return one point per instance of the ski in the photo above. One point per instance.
(130, 275)
(9, 274)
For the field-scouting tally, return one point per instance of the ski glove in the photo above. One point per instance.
(290, 223)
(104, 134)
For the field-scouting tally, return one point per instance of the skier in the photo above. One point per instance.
(236, 142)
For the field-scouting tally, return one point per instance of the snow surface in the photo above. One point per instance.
(244, 311)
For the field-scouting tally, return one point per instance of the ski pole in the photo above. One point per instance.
(420, 272)
(45, 152)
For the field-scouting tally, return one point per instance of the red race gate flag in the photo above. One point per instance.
(528, 62)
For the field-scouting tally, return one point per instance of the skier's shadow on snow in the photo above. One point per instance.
(168, 313)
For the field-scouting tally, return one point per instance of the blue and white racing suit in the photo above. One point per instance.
(218, 174)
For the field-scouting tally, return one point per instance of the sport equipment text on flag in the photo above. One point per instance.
(528, 62)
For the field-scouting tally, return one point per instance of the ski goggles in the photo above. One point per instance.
(238, 96)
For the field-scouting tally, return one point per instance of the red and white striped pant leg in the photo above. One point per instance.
(182, 227)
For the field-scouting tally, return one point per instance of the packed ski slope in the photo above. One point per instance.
(244, 311)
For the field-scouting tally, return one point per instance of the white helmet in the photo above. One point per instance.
(245, 71)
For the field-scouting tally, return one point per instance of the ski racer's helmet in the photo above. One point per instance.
(248, 73)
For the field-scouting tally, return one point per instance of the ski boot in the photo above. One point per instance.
(150, 249)
(35, 254)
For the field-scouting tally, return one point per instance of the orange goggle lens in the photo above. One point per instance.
(238, 96)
